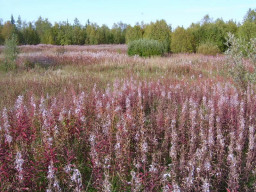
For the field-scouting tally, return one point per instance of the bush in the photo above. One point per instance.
(145, 48)
(10, 53)
(208, 49)
(238, 50)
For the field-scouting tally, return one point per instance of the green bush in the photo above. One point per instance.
(239, 50)
(145, 48)
(208, 49)
(10, 53)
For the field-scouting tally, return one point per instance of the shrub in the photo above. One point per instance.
(145, 48)
(208, 49)
(238, 50)
(10, 53)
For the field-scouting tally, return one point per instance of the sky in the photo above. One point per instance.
(175, 12)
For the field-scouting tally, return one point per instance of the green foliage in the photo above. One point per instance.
(247, 31)
(237, 51)
(77, 33)
(44, 30)
(10, 53)
(208, 49)
(194, 37)
(91, 34)
(226, 27)
(118, 30)
(182, 41)
(64, 33)
(133, 33)
(30, 36)
(159, 31)
(7, 30)
(250, 16)
(210, 32)
(145, 48)
(104, 35)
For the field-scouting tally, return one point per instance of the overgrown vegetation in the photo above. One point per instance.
(208, 49)
(146, 48)
(241, 52)
(101, 120)
(181, 41)
(10, 53)
(178, 40)
(92, 118)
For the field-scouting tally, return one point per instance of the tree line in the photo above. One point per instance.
(180, 39)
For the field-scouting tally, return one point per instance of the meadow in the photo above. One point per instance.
(92, 118)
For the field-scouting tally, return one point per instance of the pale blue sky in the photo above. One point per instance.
(175, 12)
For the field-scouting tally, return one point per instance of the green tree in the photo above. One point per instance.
(250, 16)
(30, 35)
(247, 31)
(55, 31)
(18, 30)
(194, 30)
(44, 30)
(65, 35)
(159, 31)
(133, 33)
(182, 41)
(19, 23)
(223, 29)
(231, 27)
(12, 20)
(210, 32)
(78, 33)
(10, 53)
(118, 31)
(104, 35)
(91, 34)
(206, 20)
(8, 30)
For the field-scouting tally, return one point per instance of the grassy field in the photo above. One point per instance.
(81, 67)
(91, 118)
